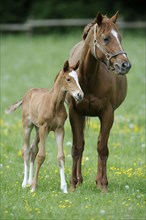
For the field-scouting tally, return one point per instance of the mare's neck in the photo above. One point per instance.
(89, 64)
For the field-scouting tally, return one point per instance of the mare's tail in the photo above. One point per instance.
(13, 107)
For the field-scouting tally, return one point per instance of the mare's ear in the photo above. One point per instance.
(66, 66)
(99, 18)
(114, 17)
(76, 65)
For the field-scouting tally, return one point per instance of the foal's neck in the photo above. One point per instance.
(58, 91)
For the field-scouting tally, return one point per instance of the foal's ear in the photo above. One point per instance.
(99, 18)
(76, 65)
(114, 17)
(66, 66)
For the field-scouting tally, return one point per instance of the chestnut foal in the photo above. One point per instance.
(45, 111)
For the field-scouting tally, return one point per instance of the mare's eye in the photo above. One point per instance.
(106, 40)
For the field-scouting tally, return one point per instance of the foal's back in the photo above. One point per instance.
(38, 108)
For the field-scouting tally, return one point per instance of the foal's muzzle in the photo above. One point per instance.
(78, 96)
(122, 68)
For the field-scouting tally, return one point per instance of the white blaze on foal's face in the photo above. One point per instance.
(75, 76)
(74, 88)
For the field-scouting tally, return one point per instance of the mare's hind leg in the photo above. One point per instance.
(106, 121)
(33, 153)
(27, 128)
(77, 123)
(59, 134)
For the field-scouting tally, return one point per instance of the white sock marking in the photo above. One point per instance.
(62, 177)
(24, 183)
(30, 173)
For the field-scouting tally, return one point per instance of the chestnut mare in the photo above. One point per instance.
(101, 73)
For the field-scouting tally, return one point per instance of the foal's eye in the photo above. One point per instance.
(68, 79)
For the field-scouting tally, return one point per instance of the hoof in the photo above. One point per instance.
(33, 186)
(29, 182)
(64, 189)
(72, 189)
(104, 189)
(79, 183)
(33, 189)
(24, 184)
(101, 187)
(98, 185)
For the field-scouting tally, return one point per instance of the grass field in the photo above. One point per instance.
(33, 62)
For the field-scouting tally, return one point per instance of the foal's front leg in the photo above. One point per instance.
(59, 134)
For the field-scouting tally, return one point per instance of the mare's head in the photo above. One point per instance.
(70, 81)
(106, 43)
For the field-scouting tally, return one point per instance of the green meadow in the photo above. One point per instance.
(28, 62)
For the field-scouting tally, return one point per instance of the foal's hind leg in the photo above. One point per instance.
(27, 128)
(33, 153)
(77, 123)
(102, 148)
(43, 132)
(61, 158)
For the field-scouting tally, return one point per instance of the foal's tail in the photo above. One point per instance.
(13, 107)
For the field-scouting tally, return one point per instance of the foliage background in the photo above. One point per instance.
(12, 11)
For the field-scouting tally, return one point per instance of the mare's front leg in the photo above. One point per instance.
(27, 128)
(43, 132)
(59, 134)
(77, 122)
(33, 153)
(106, 120)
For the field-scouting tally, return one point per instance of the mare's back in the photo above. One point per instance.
(76, 52)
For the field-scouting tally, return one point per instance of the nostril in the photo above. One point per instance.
(79, 95)
(126, 65)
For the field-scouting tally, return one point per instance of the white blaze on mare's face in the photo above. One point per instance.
(75, 76)
(115, 34)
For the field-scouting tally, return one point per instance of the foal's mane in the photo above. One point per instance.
(56, 77)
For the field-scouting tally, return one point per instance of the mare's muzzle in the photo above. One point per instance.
(122, 68)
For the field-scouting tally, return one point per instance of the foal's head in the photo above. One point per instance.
(70, 81)
(106, 44)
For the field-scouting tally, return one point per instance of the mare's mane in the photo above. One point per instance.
(87, 28)
(105, 26)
